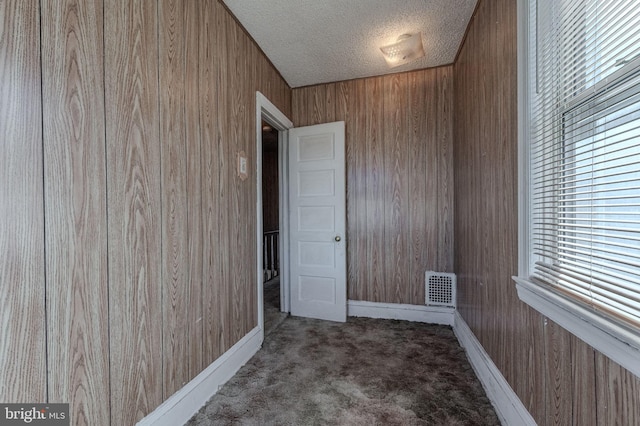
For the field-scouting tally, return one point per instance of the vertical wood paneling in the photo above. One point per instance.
(398, 143)
(22, 281)
(430, 210)
(144, 107)
(374, 146)
(484, 155)
(558, 375)
(343, 96)
(330, 102)
(530, 385)
(420, 106)
(444, 125)
(175, 243)
(224, 126)
(468, 258)
(239, 263)
(351, 107)
(485, 220)
(394, 140)
(209, 101)
(505, 203)
(480, 187)
(236, 261)
(359, 190)
(134, 206)
(507, 107)
(299, 106)
(194, 184)
(396, 194)
(247, 287)
(286, 96)
(617, 393)
(75, 202)
(316, 104)
(463, 168)
(583, 374)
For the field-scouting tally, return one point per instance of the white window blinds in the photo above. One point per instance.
(585, 152)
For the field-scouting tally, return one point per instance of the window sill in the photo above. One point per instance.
(615, 341)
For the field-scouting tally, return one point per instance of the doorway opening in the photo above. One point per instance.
(273, 313)
(269, 115)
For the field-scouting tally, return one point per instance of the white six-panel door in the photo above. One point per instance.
(317, 221)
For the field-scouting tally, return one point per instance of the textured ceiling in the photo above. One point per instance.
(321, 41)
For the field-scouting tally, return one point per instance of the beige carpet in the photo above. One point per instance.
(363, 372)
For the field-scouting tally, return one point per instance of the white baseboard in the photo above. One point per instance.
(182, 405)
(416, 313)
(508, 406)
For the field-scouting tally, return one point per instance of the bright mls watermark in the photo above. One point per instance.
(34, 414)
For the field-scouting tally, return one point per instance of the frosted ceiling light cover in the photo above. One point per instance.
(406, 49)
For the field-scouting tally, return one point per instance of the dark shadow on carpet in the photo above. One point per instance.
(363, 372)
(272, 315)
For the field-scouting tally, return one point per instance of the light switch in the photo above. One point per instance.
(243, 166)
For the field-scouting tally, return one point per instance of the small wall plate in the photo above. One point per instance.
(243, 165)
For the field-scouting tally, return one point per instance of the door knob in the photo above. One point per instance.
(337, 238)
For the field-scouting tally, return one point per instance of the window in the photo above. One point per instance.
(580, 169)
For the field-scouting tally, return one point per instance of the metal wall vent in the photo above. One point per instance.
(440, 289)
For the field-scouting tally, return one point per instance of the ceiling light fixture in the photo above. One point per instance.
(405, 49)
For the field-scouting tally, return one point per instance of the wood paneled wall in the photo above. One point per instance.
(127, 261)
(22, 259)
(399, 177)
(559, 378)
(75, 207)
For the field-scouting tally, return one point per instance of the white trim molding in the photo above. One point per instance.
(415, 313)
(508, 406)
(182, 405)
(523, 136)
(267, 111)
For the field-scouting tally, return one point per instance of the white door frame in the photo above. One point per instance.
(267, 111)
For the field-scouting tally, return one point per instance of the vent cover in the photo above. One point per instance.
(440, 289)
